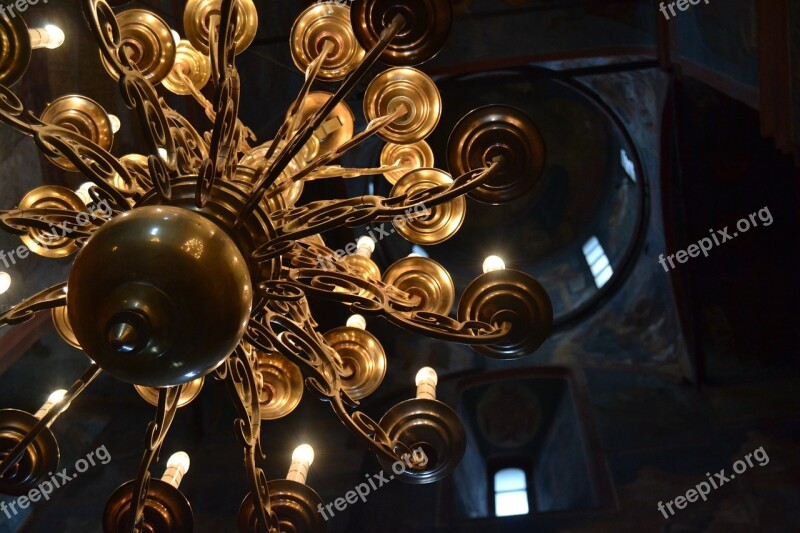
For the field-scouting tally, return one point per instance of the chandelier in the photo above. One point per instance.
(197, 261)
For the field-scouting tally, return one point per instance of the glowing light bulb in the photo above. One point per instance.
(365, 246)
(51, 36)
(426, 381)
(492, 263)
(175, 37)
(5, 282)
(115, 123)
(302, 457)
(162, 153)
(55, 397)
(177, 466)
(357, 321)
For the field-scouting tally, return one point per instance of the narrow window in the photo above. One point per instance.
(598, 262)
(510, 492)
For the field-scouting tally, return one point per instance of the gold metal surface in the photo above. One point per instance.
(338, 126)
(194, 65)
(412, 88)
(442, 221)
(165, 509)
(198, 16)
(40, 458)
(176, 296)
(363, 359)
(15, 49)
(82, 115)
(416, 155)
(511, 297)
(50, 197)
(365, 268)
(149, 42)
(245, 173)
(280, 385)
(423, 277)
(321, 23)
(63, 327)
(188, 394)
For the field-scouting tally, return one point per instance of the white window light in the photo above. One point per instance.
(598, 262)
(510, 492)
(627, 165)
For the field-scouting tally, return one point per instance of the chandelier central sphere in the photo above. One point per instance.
(159, 296)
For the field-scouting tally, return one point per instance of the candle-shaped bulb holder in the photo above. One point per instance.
(426, 381)
(54, 398)
(302, 457)
(177, 466)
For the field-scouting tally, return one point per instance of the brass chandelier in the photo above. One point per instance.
(203, 261)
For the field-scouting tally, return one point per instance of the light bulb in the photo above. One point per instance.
(115, 123)
(175, 37)
(365, 246)
(357, 321)
(426, 381)
(492, 263)
(5, 282)
(177, 466)
(55, 397)
(56, 36)
(302, 457)
(162, 153)
(83, 192)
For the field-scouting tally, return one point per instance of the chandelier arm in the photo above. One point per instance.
(137, 91)
(337, 171)
(313, 122)
(372, 128)
(241, 384)
(190, 147)
(98, 165)
(48, 220)
(50, 417)
(445, 328)
(224, 136)
(49, 298)
(156, 432)
(309, 350)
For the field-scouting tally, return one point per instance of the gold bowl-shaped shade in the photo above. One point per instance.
(417, 155)
(197, 18)
(82, 115)
(139, 293)
(296, 506)
(338, 126)
(321, 23)
(509, 297)
(15, 49)
(246, 169)
(412, 88)
(51, 197)
(165, 509)
(38, 461)
(442, 221)
(498, 130)
(280, 385)
(190, 391)
(194, 65)
(423, 277)
(363, 359)
(63, 328)
(427, 26)
(432, 427)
